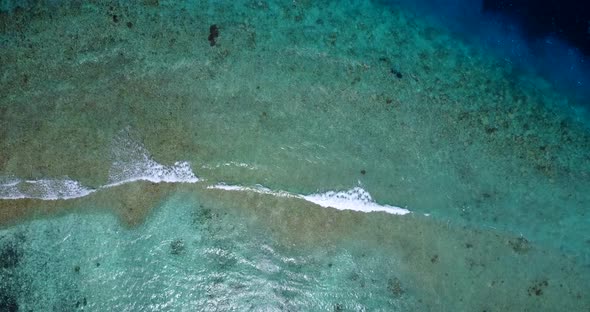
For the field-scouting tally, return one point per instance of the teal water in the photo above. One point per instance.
(294, 100)
(258, 252)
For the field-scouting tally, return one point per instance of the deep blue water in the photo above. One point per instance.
(551, 38)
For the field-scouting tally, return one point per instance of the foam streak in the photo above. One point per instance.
(356, 199)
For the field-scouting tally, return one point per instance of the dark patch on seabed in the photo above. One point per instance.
(213, 34)
(10, 251)
(10, 258)
(8, 301)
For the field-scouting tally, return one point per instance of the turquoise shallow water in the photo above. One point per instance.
(242, 142)
(189, 256)
(258, 252)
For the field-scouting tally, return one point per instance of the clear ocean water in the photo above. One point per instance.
(287, 156)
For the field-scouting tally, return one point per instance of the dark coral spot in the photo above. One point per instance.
(520, 245)
(491, 130)
(203, 215)
(434, 259)
(394, 285)
(177, 247)
(537, 288)
(396, 73)
(213, 34)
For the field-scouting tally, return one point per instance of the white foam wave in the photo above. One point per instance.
(9, 188)
(256, 189)
(356, 199)
(231, 164)
(46, 189)
(132, 162)
(8, 181)
(52, 189)
(152, 171)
